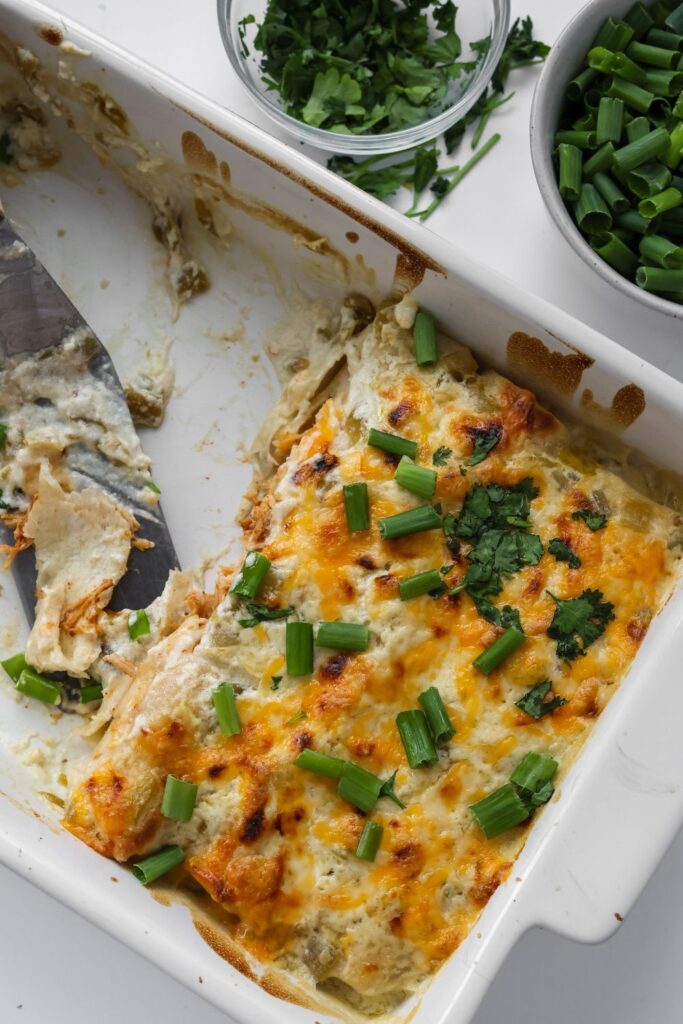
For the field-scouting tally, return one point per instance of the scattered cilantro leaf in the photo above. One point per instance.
(388, 790)
(593, 520)
(440, 186)
(535, 701)
(484, 440)
(578, 622)
(262, 613)
(521, 50)
(3, 434)
(381, 182)
(563, 553)
(275, 684)
(494, 507)
(441, 456)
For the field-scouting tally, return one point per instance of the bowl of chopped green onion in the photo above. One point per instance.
(364, 78)
(607, 144)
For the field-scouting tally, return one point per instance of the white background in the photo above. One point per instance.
(54, 967)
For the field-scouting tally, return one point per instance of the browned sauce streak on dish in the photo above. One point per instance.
(50, 34)
(627, 405)
(560, 371)
(378, 229)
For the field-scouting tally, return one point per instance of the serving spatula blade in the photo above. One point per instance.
(35, 314)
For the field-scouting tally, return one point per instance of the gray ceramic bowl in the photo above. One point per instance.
(561, 65)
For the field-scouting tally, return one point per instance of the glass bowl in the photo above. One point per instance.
(476, 20)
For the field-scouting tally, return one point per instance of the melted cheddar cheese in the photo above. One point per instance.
(275, 845)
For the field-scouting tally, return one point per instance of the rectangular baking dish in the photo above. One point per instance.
(594, 848)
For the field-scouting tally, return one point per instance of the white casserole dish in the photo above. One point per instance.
(593, 849)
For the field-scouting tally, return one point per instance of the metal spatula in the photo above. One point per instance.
(35, 314)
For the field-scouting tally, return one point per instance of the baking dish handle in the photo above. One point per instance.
(621, 804)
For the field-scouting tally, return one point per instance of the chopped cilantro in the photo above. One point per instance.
(388, 790)
(493, 520)
(578, 622)
(275, 684)
(441, 456)
(535, 702)
(359, 67)
(262, 613)
(593, 520)
(485, 440)
(563, 553)
(3, 434)
(495, 507)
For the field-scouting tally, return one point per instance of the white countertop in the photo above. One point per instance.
(55, 968)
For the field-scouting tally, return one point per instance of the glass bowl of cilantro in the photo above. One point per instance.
(362, 77)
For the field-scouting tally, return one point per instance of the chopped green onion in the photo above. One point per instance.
(416, 738)
(669, 199)
(424, 336)
(357, 507)
(571, 163)
(160, 863)
(633, 221)
(639, 19)
(611, 193)
(667, 40)
(648, 179)
(15, 665)
(633, 95)
(616, 252)
(654, 56)
(179, 799)
(648, 147)
(663, 84)
(368, 844)
(226, 709)
(413, 520)
(610, 120)
(582, 140)
(533, 776)
(675, 20)
(614, 34)
(33, 684)
(392, 443)
(591, 212)
(152, 486)
(500, 811)
(251, 576)
(601, 160)
(359, 787)
(625, 68)
(675, 151)
(343, 636)
(417, 479)
(299, 648)
(138, 625)
(636, 128)
(662, 252)
(421, 583)
(579, 84)
(320, 764)
(501, 648)
(438, 721)
(299, 717)
(654, 279)
(90, 692)
(601, 59)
